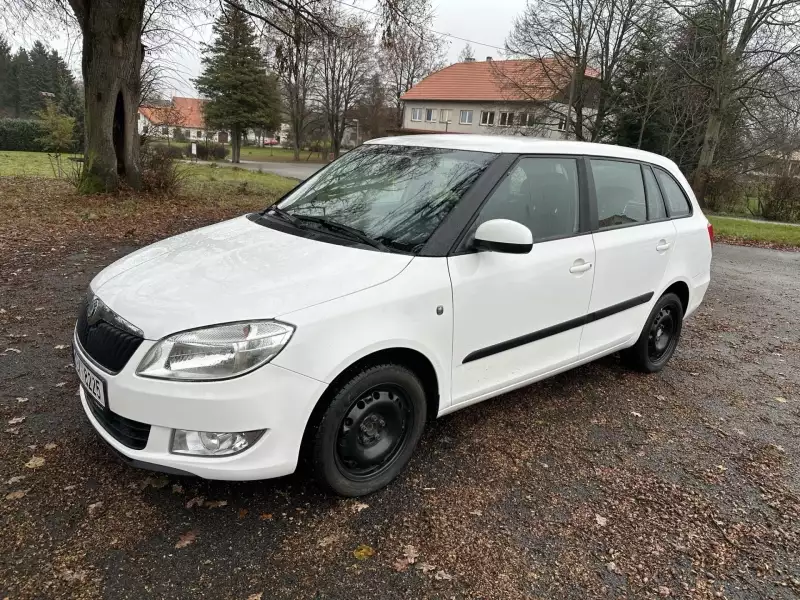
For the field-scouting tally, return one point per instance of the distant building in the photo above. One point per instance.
(507, 97)
(183, 114)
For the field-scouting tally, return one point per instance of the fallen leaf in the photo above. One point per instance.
(15, 350)
(187, 538)
(400, 565)
(21, 400)
(62, 384)
(35, 462)
(196, 501)
(663, 591)
(328, 540)
(216, 504)
(50, 446)
(425, 567)
(410, 554)
(243, 513)
(93, 508)
(477, 513)
(359, 506)
(177, 488)
(612, 566)
(255, 596)
(15, 479)
(363, 552)
(694, 373)
(17, 495)
(156, 482)
(602, 521)
(636, 414)
(16, 420)
(442, 576)
(778, 399)
(265, 516)
(661, 398)
(13, 430)
(60, 347)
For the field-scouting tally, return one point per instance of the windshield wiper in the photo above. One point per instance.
(350, 232)
(283, 214)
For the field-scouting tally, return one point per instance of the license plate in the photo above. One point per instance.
(92, 384)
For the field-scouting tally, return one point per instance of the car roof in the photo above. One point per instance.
(508, 144)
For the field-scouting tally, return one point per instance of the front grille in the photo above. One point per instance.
(110, 346)
(126, 431)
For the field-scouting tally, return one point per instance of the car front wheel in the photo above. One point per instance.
(369, 430)
(659, 338)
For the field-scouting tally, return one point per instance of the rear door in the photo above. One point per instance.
(518, 316)
(634, 242)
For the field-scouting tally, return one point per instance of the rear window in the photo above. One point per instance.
(677, 203)
(620, 193)
(655, 201)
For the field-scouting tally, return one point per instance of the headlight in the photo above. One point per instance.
(217, 352)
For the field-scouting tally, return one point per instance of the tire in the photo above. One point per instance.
(652, 350)
(366, 435)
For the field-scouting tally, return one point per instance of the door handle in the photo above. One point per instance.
(663, 246)
(581, 268)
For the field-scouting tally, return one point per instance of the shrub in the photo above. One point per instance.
(175, 152)
(724, 191)
(781, 202)
(208, 151)
(21, 134)
(160, 172)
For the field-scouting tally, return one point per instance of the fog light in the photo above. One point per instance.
(208, 443)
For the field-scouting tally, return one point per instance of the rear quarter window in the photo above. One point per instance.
(678, 204)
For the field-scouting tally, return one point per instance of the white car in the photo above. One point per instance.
(411, 278)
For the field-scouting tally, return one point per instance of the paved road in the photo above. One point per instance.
(294, 170)
(597, 483)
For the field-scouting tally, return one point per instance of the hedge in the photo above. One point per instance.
(21, 134)
(208, 151)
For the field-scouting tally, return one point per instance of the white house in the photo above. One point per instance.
(508, 97)
(184, 114)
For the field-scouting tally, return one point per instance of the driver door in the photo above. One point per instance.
(520, 316)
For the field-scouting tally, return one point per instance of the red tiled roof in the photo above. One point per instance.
(493, 80)
(186, 112)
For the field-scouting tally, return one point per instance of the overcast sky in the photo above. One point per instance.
(485, 22)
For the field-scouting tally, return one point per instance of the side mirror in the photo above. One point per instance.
(503, 235)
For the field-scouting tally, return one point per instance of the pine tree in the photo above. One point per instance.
(240, 93)
(6, 103)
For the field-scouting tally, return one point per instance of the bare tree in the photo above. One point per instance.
(346, 61)
(577, 45)
(410, 53)
(467, 54)
(753, 48)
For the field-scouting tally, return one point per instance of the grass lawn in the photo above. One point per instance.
(277, 155)
(27, 164)
(756, 232)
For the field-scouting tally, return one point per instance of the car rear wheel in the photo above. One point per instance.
(369, 430)
(659, 338)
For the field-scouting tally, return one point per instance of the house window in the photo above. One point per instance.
(562, 124)
(506, 119)
(466, 117)
(165, 131)
(187, 133)
(416, 114)
(526, 120)
(199, 134)
(444, 116)
(430, 115)
(487, 117)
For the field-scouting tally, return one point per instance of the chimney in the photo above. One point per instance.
(488, 59)
(470, 59)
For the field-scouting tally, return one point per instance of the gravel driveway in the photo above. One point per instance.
(599, 483)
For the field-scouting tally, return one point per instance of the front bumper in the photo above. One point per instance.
(271, 398)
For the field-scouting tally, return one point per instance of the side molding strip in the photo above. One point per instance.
(559, 328)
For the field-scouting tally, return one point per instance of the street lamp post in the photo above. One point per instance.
(356, 122)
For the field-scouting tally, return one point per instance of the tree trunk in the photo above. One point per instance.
(706, 161)
(111, 64)
(236, 142)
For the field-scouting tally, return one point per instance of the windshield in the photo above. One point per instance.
(396, 195)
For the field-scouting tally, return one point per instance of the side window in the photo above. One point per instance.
(540, 193)
(620, 193)
(655, 202)
(677, 202)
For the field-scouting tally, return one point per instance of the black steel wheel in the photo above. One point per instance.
(368, 432)
(659, 337)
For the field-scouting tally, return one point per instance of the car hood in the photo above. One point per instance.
(235, 271)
